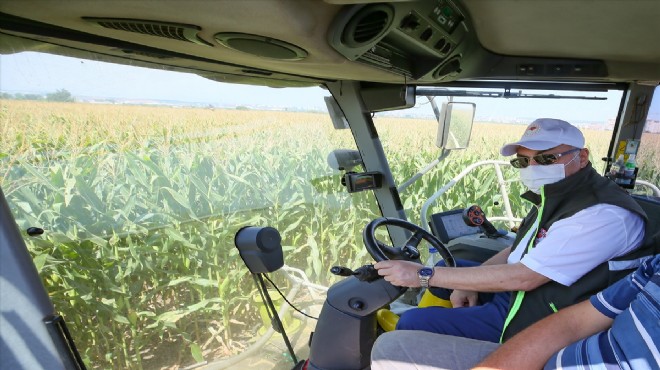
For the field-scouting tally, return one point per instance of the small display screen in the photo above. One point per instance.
(450, 225)
(363, 181)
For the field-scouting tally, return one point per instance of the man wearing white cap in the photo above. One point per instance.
(579, 223)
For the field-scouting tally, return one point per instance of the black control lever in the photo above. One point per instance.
(365, 273)
(474, 216)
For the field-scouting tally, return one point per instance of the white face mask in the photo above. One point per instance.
(533, 177)
(536, 176)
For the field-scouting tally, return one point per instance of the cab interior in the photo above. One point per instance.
(371, 60)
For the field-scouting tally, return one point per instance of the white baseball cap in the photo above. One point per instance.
(546, 133)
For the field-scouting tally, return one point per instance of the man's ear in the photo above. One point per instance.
(584, 157)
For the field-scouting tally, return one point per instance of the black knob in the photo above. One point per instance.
(356, 304)
(34, 231)
(341, 271)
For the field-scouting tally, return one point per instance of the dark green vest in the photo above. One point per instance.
(558, 201)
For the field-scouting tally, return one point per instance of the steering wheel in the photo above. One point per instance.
(381, 252)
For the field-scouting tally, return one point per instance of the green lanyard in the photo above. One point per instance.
(521, 294)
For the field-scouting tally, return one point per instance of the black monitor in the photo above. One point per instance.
(450, 225)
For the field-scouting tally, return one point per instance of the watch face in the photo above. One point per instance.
(426, 271)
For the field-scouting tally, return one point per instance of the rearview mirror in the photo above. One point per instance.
(455, 125)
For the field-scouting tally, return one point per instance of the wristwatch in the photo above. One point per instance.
(425, 274)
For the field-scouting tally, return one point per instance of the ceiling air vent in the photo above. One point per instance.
(368, 25)
(173, 31)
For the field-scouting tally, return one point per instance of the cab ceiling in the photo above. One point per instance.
(618, 36)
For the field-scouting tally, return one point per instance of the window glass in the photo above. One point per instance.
(409, 138)
(649, 149)
(141, 191)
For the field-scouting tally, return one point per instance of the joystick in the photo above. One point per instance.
(474, 216)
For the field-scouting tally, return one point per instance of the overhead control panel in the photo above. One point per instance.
(420, 40)
(435, 41)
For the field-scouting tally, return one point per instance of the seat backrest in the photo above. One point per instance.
(654, 239)
(652, 208)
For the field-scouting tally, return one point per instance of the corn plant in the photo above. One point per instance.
(141, 204)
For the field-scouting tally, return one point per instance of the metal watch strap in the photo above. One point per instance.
(423, 278)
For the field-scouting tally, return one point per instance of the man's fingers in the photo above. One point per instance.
(382, 268)
(461, 298)
(399, 273)
(383, 264)
(456, 302)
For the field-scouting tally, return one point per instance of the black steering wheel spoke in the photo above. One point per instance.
(388, 250)
(415, 239)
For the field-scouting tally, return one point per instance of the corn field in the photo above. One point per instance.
(140, 206)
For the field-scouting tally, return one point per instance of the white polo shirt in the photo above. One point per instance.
(575, 245)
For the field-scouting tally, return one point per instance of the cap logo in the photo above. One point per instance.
(532, 130)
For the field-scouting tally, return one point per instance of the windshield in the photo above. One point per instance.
(650, 149)
(409, 140)
(140, 179)
(140, 192)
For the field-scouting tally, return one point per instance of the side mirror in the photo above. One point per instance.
(455, 121)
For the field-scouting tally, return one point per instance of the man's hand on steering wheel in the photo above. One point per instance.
(400, 266)
(400, 273)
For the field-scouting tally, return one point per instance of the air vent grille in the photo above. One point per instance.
(384, 64)
(368, 25)
(173, 31)
(161, 30)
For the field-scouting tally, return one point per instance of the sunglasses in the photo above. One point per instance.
(542, 159)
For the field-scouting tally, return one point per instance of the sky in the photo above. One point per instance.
(41, 73)
(30, 72)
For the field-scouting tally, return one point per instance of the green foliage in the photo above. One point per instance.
(61, 95)
(139, 249)
(141, 206)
